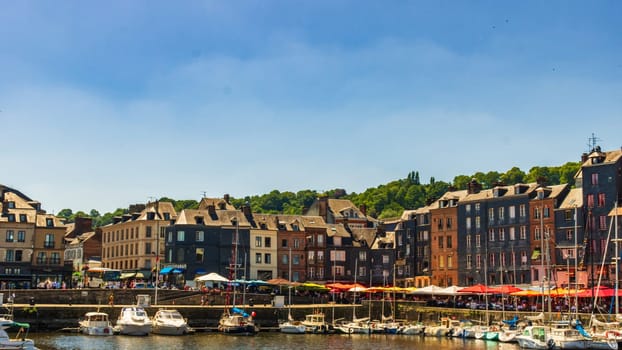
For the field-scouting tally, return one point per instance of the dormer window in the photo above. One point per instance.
(199, 220)
(49, 222)
(23, 218)
(11, 205)
(263, 226)
(151, 216)
(167, 216)
(11, 217)
(295, 227)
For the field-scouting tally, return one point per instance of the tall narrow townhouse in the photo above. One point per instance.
(569, 238)
(214, 239)
(18, 215)
(444, 238)
(419, 222)
(340, 258)
(263, 249)
(543, 202)
(601, 181)
(301, 244)
(49, 246)
(493, 235)
(135, 241)
(403, 229)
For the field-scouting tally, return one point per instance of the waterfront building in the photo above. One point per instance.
(444, 238)
(600, 178)
(135, 241)
(569, 240)
(263, 250)
(82, 245)
(32, 246)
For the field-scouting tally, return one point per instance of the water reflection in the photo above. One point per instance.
(266, 340)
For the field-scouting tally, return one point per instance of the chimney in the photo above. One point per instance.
(323, 206)
(226, 197)
(363, 209)
(473, 187)
(246, 210)
(583, 158)
(541, 181)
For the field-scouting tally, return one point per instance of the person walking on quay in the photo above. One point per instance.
(111, 299)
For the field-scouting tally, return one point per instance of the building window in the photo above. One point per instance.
(148, 248)
(258, 241)
(23, 218)
(477, 208)
(522, 211)
(478, 242)
(547, 212)
(320, 240)
(602, 222)
(257, 258)
(49, 222)
(501, 213)
(148, 231)
(362, 256)
(385, 259)
(491, 215)
(468, 224)
(285, 259)
(170, 237)
(41, 258)
(590, 201)
(337, 270)
(440, 242)
(568, 215)
(283, 243)
(512, 233)
(10, 236)
(11, 217)
(310, 257)
(49, 240)
(523, 232)
(537, 234)
(469, 261)
(18, 255)
(501, 234)
(478, 223)
(491, 235)
(468, 242)
(478, 261)
(467, 208)
(362, 271)
(295, 259)
(595, 179)
(268, 242)
(200, 236)
(180, 255)
(601, 200)
(512, 212)
(199, 253)
(297, 243)
(569, 235)
(449, 242)
(336, 255)
(10, 256)
(181, 236)
(492, 259)
(55, 258)
(268, 258)
(449, 223)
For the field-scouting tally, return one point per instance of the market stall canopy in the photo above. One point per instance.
(475, 289)
(212, 277)
(505, 289)
(451, 290)
(428, 290)
(127, 275)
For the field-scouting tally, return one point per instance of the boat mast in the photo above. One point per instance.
(576, 267)
(617, 257)
(289, 288)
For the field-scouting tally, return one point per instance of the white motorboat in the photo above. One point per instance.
(96, 323)
(19, 341)
(237, 322)
(412, 329)
(356, 326)
(567, 337)
(133, 321)
(316, 323)
(291, 326)
(536, 337)
(170, 322)
(442, 329)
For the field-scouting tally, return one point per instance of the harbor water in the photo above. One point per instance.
(264, 340)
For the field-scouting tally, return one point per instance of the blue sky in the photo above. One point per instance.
(105, 104)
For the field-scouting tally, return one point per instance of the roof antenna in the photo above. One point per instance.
(591, 142)
(204, 194)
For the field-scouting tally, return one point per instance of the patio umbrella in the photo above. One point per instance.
(475, 289)
(278, 282)
(526, 293)
(505, 289)
(212, 277)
